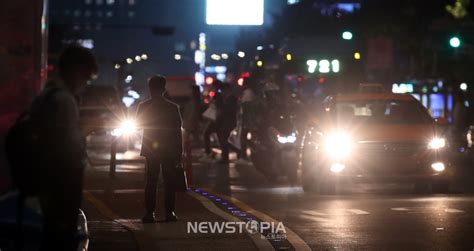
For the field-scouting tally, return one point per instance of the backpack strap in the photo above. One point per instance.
(38, 105)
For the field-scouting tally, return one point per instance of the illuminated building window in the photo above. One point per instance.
(99, 2)
(109, 14)
(110, 2)
(87, 2)
(77, 13)
(132, 2)
(131, 14)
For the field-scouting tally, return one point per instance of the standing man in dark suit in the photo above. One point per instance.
(162, 147)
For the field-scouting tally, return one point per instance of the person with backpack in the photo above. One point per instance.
(60, 148)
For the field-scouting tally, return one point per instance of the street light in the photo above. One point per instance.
(455, 42)
(357, 56)
(215, 57)
(347, 35)
(129, 60)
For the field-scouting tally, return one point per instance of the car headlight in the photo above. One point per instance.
(127, 127)
(286, 139)
(338, 145)
(437, 143)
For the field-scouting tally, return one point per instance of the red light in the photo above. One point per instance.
(206, 101)
(299, 78)
(212, 94)
(245, 74)
(209, 80)
(240, 82)
(322, 80)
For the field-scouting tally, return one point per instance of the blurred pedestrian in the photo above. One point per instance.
(248, 107)
(191, 119)
(191, 112)
(63, 156)
(460, 119)
(226, 120)
(211, 127)
(162, 147)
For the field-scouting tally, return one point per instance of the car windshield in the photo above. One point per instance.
(381, 112)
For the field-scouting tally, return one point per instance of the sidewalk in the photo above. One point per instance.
(118, 203)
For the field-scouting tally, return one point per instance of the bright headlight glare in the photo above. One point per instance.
(116, 132)
(282, 139)
(127, 127)
(337, 167)
(438, 166)
(291, 139)
(437, 143)
(287, 139)
(338, 145)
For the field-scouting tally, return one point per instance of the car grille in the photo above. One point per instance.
(390, 149)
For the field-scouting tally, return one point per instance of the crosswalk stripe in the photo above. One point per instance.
(357, 211)
(314, 213)
(425, 209)
(399, 209)
(453, 210)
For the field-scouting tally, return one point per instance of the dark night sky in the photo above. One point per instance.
(188, 18)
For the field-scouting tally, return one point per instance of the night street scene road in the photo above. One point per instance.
(140, 125)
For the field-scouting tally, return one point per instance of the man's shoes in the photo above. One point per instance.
(149, 218)
(171, 217)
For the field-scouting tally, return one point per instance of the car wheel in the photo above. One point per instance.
(421, 187)
(290, 168)
(308, 178)
(327, 186)
(318, 182)
(309, 184)
(440, 186)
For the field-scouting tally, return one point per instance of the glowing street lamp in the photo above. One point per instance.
(455, 42)
(347, 35)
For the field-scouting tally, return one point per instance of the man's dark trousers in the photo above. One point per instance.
(60, 197)
(153, 167)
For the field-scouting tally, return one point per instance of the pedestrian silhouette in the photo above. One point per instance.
(226, 120)
(161, 146)
(62, 160)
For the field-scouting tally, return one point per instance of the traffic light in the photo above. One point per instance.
(455, 42)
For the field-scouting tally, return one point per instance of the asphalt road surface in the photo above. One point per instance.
(358, 217)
